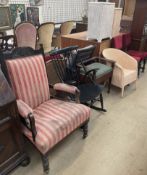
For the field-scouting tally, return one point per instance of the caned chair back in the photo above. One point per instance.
(28, 79)
(66, 27)
(26, 35)
(45, 33)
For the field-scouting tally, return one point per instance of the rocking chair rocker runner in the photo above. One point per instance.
(66, 69)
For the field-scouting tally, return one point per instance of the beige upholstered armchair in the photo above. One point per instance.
(125, 70)
(45, 34)
(65, 29)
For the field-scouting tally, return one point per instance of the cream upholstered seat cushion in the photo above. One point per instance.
(125, 70)
(55, 120)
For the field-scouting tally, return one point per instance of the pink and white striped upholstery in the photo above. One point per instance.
(29, 79)
(23, 109)
(66, 88)
(54, 120)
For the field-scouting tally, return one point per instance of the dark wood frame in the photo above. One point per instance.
(11, 143)
(4, 45)
(23, 53)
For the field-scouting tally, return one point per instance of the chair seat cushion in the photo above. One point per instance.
(137, 58)
(137, 53)
(89, 91)
(103, 69)
(54, 120)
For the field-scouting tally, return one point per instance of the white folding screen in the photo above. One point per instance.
(58, 10)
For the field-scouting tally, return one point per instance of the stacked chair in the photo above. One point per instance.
(125, 70)
(123, 42)
(127, 47)
(46, 120)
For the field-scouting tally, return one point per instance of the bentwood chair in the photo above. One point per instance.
(45, 34)
(65, 29)
(7, 43)
(66, 69)
(26, 35)
(46, 120)
(125, 69)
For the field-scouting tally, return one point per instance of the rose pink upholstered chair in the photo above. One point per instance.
(26, 35)
(46, 120)
(125, 69)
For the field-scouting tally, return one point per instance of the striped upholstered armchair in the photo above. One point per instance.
(47, 120)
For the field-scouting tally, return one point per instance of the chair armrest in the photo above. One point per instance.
(62, 87)
(23, 109)
(66, 88)
(27, 113)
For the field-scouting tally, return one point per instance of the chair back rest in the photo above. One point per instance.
(117, 56)
(7, 43)
(28, 79)
(45, 33)
(26, 35)
(64, 64)
(85, 53)
(126, 40)
(117, 42)
(66, 27)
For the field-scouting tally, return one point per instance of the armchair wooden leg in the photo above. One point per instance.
(144, 62)
(122, 91)
(109, 84)
(85, 129)
(45, 163)
(139, 66)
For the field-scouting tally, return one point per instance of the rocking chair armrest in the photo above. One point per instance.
(27, 113)
(66, 88)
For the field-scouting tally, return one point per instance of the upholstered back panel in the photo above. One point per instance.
(26, 35)
(126, 40)
(29, 79)
(66, 27)
(45, 33)
(117, 42)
